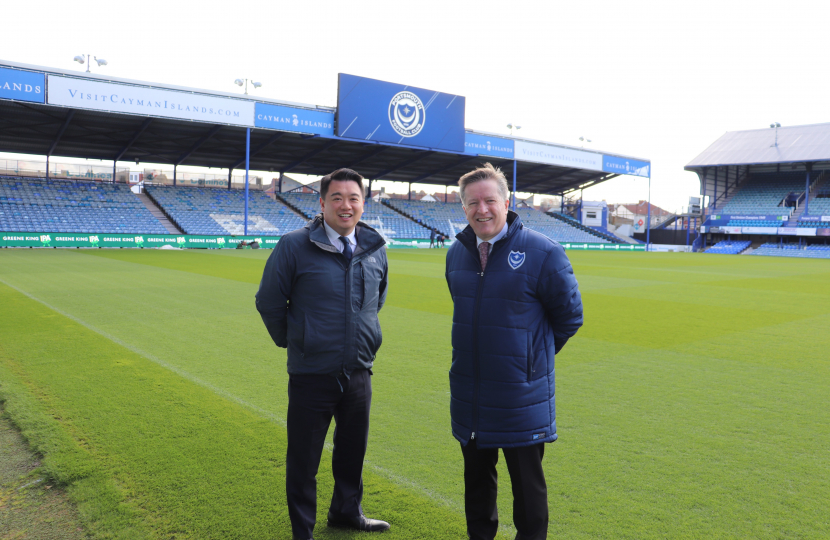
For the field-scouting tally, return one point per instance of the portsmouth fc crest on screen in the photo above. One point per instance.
(407, 114)
(372, 110)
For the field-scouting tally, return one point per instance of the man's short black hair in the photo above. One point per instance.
(340, 174)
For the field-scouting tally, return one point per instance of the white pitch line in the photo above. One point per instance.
(271, 416)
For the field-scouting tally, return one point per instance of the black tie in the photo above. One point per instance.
(347, 248)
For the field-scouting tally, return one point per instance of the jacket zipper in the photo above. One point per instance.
(477, 380)
(350, 333)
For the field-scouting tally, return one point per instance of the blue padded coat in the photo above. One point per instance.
(509, 321)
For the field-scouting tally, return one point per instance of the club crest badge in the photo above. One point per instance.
(407, 114)
(515, 259)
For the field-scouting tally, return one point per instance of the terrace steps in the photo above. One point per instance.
(296, 210)
(157, 212)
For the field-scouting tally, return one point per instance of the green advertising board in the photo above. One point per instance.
(101, 240)
(603, 247)
(184, 241)
(190, 241)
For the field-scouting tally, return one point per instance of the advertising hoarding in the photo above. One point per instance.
(603, 247)
(484, 145)
(759, 230)
(389, 112)
(557, 155)
(45, 239)
(634, 167)
(22, 85)
(294, 119)
(103, 96)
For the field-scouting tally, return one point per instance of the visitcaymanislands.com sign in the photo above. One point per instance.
(104, 96)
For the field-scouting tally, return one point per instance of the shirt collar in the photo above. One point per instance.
(334, 237)
(495, 238)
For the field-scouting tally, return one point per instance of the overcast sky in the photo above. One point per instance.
(656, 80)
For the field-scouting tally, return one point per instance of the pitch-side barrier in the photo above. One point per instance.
(190, 241)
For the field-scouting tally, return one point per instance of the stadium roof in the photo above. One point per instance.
(54, 128)
(796, 144)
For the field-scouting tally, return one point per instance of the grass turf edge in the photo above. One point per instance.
(103, 509)
(45, 358)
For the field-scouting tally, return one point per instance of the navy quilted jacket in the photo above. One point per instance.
(508, 323)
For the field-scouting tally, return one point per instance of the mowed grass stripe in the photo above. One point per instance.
(667, 429)
(198, 466)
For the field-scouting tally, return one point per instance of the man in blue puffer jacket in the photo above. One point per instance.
(517, 303)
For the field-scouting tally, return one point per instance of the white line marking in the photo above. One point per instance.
(271, 416)
(450, 103)
(435, 95)
(347, 127)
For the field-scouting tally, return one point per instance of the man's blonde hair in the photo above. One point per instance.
(485, 172)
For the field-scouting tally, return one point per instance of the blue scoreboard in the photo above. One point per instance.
(374, 110)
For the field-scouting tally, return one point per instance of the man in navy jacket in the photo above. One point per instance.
(320, 295)
(516, 305)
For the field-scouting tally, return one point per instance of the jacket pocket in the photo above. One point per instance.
(378, 336)
(529, 356)
(372, 275)
(296, 332)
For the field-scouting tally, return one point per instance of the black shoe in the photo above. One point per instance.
(298, 538)
(359, 523)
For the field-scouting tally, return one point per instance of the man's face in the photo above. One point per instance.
(342, 206)
(485, 209)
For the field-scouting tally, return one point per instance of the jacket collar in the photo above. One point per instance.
(368, 239)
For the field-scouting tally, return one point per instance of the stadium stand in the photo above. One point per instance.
(217, 211)
(64, 206)
(447, 218)
(815, 251)
(754, 223)
(729, 247)
(819, 206)
(763, 193)
(389, 222)
(595, 232)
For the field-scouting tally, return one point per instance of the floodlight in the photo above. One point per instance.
(257, 84)
(238, 82)
(101, 61)
(79, 59)
(518, 127)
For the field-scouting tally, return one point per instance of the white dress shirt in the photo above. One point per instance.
(492, 240)
(334, 238)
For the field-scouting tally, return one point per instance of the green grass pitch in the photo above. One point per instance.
(694, 403)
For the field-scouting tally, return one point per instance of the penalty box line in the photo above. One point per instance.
(239, 401)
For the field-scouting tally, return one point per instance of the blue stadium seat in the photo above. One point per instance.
(64, 206)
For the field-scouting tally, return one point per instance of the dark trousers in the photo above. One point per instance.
(312, 402)
(530, 493)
